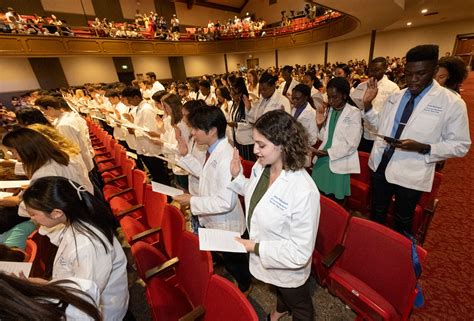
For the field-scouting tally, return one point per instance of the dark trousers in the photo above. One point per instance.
(297, 301)
(405, 202)
(365, 145)
(157, 169)
(237, 264)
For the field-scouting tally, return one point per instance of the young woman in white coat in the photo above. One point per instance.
(282, 205)
(82, 227)
(304, 112)
(340, 129)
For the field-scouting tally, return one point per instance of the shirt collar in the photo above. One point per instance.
(214, 145)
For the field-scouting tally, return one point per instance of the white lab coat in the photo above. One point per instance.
(284, 223)
(215, 205)
(91, 295)
(146, 118)
(244, 129)
(84, 257)
(130, 139)
(69, 125)
(385, 89)
(120, 133)
(290, 88)
(307, 118)
(157, 86)
(439, 119)
(343, 155)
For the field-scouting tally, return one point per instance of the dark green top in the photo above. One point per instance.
(260, 190)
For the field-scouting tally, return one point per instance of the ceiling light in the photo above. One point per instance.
(408, 23)
(424, 11)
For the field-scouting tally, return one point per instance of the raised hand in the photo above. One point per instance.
(370, 93)
(235, 163)
(321, 114)
(182, 145)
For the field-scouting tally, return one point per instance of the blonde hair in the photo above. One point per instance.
(56, 138)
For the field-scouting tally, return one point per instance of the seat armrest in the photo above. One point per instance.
(124, 191)
(332, 256)
(129, 210)
(432, 207)
(194, 314)
(146, 233)
(116, 178)
(108, 169)
(106, 160)
(161, 268)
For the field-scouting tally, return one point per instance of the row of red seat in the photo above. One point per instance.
(367, 265)
(179, 277)
(360, 199)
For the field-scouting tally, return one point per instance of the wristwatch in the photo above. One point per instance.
(425, 150)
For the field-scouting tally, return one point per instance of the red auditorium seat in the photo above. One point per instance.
(332, 225)
(374, 274)
(360, 187)
(31, 251)
(247, 167)
(193, 271)
(224, 301)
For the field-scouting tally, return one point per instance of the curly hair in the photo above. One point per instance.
(283, 130)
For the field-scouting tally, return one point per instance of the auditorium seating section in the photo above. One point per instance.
(367, 265)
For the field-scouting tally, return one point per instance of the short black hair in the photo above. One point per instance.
(151, 74)
(28, 116)
(287, 68)
(205, 83)
(379, 60)
(344, 67)
(206, 118)
(158, 95)
(131, 91)
(267, 78)
(423, 53)
(48, 101)
(304, 89)
(112, 93)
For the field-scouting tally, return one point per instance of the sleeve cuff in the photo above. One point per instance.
(257, 249)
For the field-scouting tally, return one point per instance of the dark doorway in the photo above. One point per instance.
(126, 77)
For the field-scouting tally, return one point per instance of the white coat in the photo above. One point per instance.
(146, 118)
(215, 205)
(343, 155)
(120, 133)
(84, 257)
(290, 88)
(385, 89)
(439, 119)
(307, 118)
(284, 223)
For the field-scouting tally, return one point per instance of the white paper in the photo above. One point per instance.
(131, 155)
(219, 240)
(165, 189)
(13, 184)
(16, 267)
(5, 194)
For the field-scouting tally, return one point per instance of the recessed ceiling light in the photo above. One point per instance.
(424, 11)
(408, 23)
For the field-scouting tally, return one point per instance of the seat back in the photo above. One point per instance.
(172, 226)
(364, 175)
(167, 303)
(332, 225)
(427, 199)
(154, 206)
(194, 268)
(224, 301)
(31, 249)
(247, 167)
(381, 258)
(146, 256)
(139, 180)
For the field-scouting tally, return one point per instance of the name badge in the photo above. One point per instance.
(278, 202)
(432, 109)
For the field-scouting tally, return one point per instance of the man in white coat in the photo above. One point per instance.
(215, 205)
(428, 124)
(386, 87)
(286, 87)
(156, 85)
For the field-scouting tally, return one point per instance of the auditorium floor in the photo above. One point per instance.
(262, 297)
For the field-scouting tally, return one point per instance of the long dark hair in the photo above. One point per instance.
(23, 300)
(238, 108)
(78, 205)
(34, 149)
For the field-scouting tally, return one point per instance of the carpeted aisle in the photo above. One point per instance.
(447, 279)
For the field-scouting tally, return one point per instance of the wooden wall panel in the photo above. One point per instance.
(42, 45)
(116, 47)
(142, 47)
(11, 46)
(84, 46)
